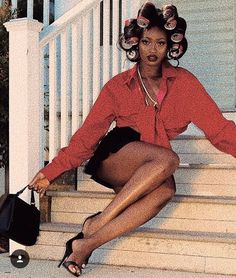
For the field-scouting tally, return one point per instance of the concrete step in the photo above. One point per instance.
(47, 268)
(182, 213)
(149, 248)
(197, 149)
(191, 179)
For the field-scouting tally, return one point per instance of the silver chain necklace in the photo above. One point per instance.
(155, 104)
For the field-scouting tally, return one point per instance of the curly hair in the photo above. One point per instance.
(149, 16)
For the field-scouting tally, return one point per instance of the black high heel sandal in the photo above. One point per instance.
(69, 250)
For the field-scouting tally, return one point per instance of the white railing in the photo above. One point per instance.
(82, 55)
(30, 10)
(69, 61)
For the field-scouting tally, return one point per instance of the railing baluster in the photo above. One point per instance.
(30, 8)
(86, 66)
(42, 66)
(123, 18)
(53, 126)
(64, 88)
(75, 90)
(115, 37)
(80, 70)
(46, 12)
(135, 7)
(14, 4)
(96, 52)
(106, 40)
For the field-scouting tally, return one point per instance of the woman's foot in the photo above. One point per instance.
(79, 257)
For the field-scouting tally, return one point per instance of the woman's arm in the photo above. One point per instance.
(205, 114)
(85, 139)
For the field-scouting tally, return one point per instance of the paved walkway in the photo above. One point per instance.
(49, 269)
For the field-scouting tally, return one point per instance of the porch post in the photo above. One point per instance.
(25, 106)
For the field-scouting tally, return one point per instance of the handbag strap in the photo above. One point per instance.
(32, 200)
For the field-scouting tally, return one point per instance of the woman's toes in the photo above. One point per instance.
(74, 269)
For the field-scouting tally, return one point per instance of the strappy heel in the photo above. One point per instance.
(69, 250)
(91, 216)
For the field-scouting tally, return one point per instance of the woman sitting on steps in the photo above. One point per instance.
(151, 104)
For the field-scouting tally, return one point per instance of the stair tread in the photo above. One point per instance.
(202, 165)
(176, 198)
(151, 233)
(227, 166)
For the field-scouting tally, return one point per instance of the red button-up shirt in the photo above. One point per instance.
(182, 99)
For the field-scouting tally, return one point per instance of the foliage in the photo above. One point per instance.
(6, 14)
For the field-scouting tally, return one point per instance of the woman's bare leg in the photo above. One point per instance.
(135, 215)
(141, 168)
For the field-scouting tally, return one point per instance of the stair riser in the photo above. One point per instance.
(200, 151)
(192, 158)
(189, 210)
(159, 223)
(148, 252)
(216, 190)
(195, 146)
(208, 176)
(176, 215)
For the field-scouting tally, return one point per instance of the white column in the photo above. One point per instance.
(25, 106)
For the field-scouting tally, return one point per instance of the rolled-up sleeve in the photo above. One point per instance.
(83, 143)
(205, 114)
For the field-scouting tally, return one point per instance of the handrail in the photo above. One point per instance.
(70, 16)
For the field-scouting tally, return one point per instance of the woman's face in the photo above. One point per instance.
(153, 47)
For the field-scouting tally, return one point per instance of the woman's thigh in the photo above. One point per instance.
(118, 168)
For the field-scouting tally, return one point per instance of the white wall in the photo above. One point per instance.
(62, 6)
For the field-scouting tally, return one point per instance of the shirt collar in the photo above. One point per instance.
(168, 71)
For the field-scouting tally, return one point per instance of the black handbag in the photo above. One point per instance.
(19, 220)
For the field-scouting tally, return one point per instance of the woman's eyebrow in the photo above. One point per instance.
(146, 37)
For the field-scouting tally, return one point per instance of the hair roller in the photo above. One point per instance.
(131, 29)
(179, 32)
(146, 14)
(124, 43)
(129, 21)
(169, 12)
(132, 55)
(177, 50)
(170, 15)
(131, 34)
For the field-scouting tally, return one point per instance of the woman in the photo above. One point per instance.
(151, 104)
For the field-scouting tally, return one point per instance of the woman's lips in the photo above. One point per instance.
(152, 58)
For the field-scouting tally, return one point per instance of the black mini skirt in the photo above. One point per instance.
(111, 143)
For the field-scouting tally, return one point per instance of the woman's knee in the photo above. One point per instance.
(168, 160)
(173, 160)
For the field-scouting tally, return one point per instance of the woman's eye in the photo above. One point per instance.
(146, 42)
(161, 43)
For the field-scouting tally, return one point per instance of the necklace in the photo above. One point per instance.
(155, 104)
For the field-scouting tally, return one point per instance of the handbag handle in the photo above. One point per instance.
(32, 201)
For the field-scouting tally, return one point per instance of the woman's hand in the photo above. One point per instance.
(39, 183)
